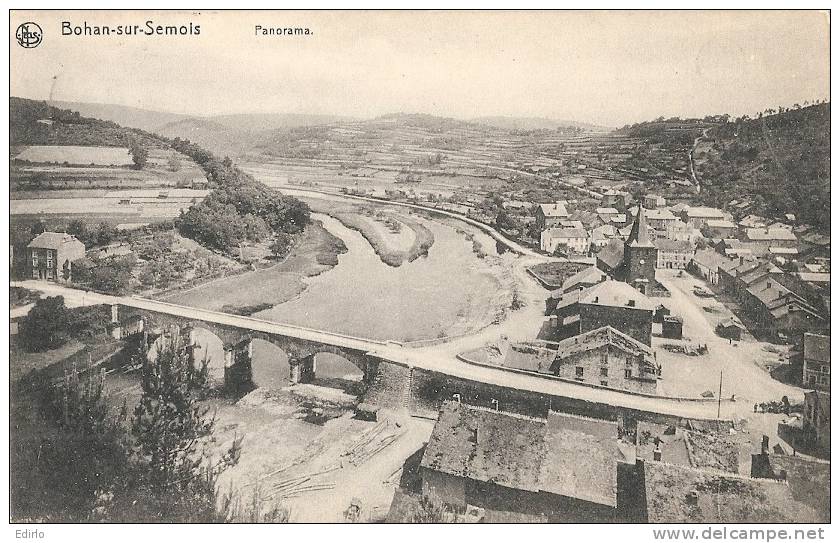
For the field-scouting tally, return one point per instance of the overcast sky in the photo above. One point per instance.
(606, 68)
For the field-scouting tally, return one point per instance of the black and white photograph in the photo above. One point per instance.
(468, 266)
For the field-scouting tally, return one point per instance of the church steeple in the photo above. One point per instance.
(639, 235)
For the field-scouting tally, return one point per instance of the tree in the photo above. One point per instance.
(173, 163)
(112, 275)
(38, 227)
(281, 245)
(139, 155)
(46, 326)
(173, 478)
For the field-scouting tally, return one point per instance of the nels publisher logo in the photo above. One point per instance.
(29, 35)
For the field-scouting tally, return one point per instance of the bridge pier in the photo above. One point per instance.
(238, 370)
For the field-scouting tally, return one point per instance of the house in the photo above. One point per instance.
(816, 422)
(777, 309)
(619, 200)
(607, 214)
(561, 469)
(680, 231)
(699, 216)
(816, 361)
(809, 478)
(672, 327)
(673, 493)
(761, 240)
(609, 303)
(51, 254)
(550, 215)
(733, 247)
(707, 262)
(585, 278)
(677, 444)
(652, 201)
(660, 220)
(600, 236)
(730, 329)
(720, 229)
(575, 240)
(609, 358)
(753, 221)
(673, 254)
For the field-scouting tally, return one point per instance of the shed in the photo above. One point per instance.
(729, 329)
(672, 327)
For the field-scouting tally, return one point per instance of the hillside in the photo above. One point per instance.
(211, 135)
(131, 117)
(536, 123)
(36, 123)
(781, 163)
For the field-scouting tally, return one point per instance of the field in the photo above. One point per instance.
(257, 290)
(55, 167)
(76, 155)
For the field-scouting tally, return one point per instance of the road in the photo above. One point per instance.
(437, 358)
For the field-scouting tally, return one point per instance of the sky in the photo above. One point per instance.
(608, 68)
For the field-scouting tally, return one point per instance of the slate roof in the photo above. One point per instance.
(594, 339)
(673, 246)
(51, 240)
(586, 275)
(721, 497)
(612, 254)
(639, 235)
(563, 454)
(703, 212)
(616, 294)
(554, 210)
(770, 234)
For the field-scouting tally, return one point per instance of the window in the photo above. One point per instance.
(49, 274)
(628, 373)
(579, 371)
(604, 383)
(603, 372)
(49, 259)
(604, 359)
(34, 260)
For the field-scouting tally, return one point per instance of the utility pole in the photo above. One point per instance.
(720, 392)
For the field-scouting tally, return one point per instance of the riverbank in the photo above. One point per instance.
(396, 237)
(244, 294)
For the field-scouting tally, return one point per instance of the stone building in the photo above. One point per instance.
(51, 255)
(673, 254)
(550, 215)
(562, 468)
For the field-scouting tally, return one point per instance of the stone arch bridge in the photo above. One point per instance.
(237, 333)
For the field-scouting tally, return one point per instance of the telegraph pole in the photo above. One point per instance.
(720, 392)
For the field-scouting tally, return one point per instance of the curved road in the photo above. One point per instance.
(433, 359)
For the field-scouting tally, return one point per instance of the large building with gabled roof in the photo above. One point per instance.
(634, 261)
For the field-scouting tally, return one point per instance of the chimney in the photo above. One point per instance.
(765, 444)
(783, 475)
(631, 303)
(692, 497)
(456, 397)
(741, 259)
(769, 284)
(657, 453)
(495, 403)
(596, 299)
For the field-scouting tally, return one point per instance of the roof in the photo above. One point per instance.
(817, 347)
(563, 454)
(671, 245)
(783, 250)
(607, 211)
(753, 220)
(580, 459)
(720, 224)
(52, 240)
(713, 260)
(612, 254)
(561, 233)
(616, 294)
(529, 357)
(586, 275)
(770, 234)
(594, 339)
(815, 277)
(639, 236)
(557, 209)
(720, 497)
(660, 215)
(704, 212)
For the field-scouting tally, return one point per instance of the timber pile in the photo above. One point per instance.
(372, 442)
(294, 486)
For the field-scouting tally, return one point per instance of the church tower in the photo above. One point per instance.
(640, 255)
